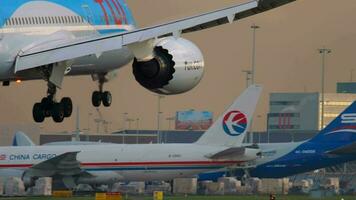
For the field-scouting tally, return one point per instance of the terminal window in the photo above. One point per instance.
(284, 103)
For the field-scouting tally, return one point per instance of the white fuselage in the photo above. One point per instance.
(144, 162)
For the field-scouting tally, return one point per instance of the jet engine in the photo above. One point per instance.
(177, 66)
(98, 178)
(28, 182)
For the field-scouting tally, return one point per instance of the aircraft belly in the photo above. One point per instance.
(87, 65)
(157, 175)
(100, 177)
(102, 63)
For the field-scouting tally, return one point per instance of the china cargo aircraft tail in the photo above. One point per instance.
(231, 127)
(340, 133)
(21, 139)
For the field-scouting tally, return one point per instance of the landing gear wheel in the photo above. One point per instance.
(101, 96)
(49, 107)
(46, 106)
(106, 98)
(67, 106)
(57, 112)
(38, 113)
(96, 98)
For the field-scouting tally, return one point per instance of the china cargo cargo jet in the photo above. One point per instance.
(50, 39)
(219, 147)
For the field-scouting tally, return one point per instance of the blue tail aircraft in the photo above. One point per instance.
(335, 144)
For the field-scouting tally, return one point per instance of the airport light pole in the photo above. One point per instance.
(89, 115)
(259, 134)
(254, 27)
(170, 119)
(352, 75)
(97, 121)
(130, 120)
(124, 120)
(248, 77)
(77, 125)
(137, 131)
(323, 52)
(159, 97)
(106, 126)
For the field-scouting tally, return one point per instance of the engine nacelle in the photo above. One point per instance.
(107, 177)
(251, 154)
(28, 181)
(177, 67)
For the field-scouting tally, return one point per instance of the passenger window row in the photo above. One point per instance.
(44, 20)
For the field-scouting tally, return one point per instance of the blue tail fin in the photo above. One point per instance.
(341, 130)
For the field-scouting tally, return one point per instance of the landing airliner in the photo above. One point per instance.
(49, 39)
(220, 146)
(336, 144)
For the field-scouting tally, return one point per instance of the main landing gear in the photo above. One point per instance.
(99, 97)
(49, 107)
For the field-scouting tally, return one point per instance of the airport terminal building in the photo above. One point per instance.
(302, 112)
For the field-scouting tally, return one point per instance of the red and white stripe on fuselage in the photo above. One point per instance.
(140, 164)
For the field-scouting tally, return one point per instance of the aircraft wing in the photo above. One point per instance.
(48, 53)
(65, 164)
(228, 153)
(348, 149)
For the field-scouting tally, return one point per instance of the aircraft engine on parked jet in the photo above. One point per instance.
(177, 66)
(28, 181)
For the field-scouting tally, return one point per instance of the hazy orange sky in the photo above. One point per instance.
(287, 61)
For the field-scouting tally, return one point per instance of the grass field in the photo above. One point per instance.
(189, 198)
